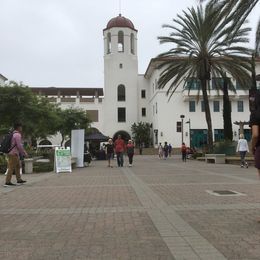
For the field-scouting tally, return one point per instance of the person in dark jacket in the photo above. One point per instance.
(110, 152)
(130, 152)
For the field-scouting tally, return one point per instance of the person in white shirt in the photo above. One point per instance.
(242, 148)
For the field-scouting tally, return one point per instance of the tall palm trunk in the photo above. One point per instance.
(253, 72)
(207, 114)
(228, 132)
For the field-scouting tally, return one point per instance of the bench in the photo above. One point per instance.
(28, 164)
(215, 158)
(73, 162)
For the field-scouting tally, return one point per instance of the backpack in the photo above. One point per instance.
(5, 145)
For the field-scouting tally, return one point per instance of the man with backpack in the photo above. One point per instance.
(14, 152)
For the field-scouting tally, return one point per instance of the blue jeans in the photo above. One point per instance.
(120, 159)
(242, 157)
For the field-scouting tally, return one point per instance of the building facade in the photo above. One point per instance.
(129, 97)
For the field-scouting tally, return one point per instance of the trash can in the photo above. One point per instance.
(28, 165)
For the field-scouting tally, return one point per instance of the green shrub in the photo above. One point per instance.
(196, 155)
(225, 147)
(3, 164)
(43, 167)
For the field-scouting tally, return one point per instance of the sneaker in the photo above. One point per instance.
(242, 166)
(21, 182)
(246, 165)
(9, 184)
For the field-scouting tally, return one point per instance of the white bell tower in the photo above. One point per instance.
(120, 75)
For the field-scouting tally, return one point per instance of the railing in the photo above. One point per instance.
(68, 99)
(52, 99)
(87, 100)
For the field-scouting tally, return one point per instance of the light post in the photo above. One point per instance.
(182, 117)
(188, 122)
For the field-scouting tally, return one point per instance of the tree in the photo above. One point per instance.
(206, 45)
(141, 133)
(19, 104)
(255, 54)
(72, 119)
(237, 12)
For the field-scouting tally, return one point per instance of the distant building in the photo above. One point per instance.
(130, 97)
(2, 80)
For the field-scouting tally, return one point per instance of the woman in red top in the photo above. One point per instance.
(119, 149)
(184, 152)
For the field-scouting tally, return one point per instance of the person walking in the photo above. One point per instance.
(14, 155)
(170, 150)
(165, 151)
(110, 152)
(160, 151)
(130, 148)
(242, 148)
(255, 129)
(184, 152)
(119, 149)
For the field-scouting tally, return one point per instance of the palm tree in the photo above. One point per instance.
(206, 44)
(255, 54)
(237, 11)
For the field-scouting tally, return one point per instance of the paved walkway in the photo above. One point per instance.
(158, 209)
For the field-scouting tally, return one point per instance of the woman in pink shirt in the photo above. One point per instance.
(14, 154)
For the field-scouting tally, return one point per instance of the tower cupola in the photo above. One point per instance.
(120, 21)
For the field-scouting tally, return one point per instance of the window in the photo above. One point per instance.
(93, 115)
(132, 43)
(143, 111)
(108, 43)
(121, 93)
(238, 86)
(216, 106)
(192, 84)
(121, 114)
(202, 106)
(192, 106)
(156, 108)
(143, 93)
(121, 66)
(217, 83)
(178, 127)
(120, 44)
(240, 106)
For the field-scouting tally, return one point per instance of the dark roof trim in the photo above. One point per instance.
(2, 76)
(69, 91)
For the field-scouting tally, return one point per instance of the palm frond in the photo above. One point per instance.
(257, 40)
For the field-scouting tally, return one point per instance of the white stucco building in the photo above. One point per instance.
(128, 97)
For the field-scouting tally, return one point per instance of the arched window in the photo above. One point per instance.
(120, 44)
(108, 43)
(132, 43)
(121, 93)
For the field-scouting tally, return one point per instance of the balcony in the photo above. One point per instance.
(87, 100)
(68, 100)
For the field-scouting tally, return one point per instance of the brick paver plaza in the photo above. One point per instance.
(158, 209)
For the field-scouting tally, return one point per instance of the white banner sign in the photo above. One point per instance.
(77, 146)
(62, 160)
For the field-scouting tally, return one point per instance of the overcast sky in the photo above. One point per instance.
(60, 42)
